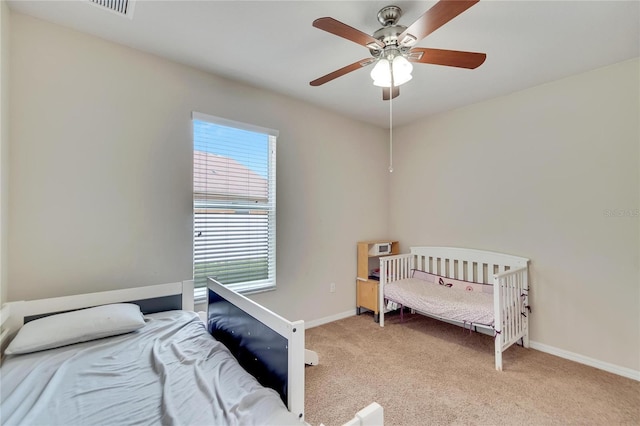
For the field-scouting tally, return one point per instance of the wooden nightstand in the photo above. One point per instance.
(369, 253)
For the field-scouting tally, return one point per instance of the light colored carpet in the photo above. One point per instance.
(427, 372)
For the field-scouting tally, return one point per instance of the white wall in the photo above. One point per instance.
(534, 174)
(4, 147)
(101, 162)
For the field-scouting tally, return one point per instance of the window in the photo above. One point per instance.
(234, 204)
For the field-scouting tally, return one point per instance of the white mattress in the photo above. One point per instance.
(438, 300)
(169, 372)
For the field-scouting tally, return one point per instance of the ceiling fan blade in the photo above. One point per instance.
(345, 31)
(450, 58)
(438, 15)
(342, 71)
(387, 92)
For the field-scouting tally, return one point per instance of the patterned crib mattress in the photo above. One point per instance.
(448, 303)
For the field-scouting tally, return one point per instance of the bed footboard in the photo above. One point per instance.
(510, 299)
(265, 344)
(393, 268)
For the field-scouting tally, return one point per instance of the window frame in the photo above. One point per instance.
(254, 286)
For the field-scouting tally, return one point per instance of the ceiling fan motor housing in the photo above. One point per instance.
(389, 36)
(389, 15)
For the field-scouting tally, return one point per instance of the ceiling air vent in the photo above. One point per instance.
(121, 7)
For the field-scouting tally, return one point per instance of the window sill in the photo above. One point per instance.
(200, 293)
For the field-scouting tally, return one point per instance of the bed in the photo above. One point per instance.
(162, 365)
(169, 371)
(467, 287)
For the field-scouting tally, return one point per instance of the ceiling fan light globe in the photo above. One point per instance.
(401, 79)
(401, 63)
(381, 73)
(402, 69)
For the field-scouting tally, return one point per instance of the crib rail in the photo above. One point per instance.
(464, 264)
(393, 268)
(510, 309)
(397, 267)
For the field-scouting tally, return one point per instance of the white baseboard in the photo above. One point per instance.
(611, 368)
(326, 320)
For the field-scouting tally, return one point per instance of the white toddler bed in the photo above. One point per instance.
(156, 364)
(472, 288)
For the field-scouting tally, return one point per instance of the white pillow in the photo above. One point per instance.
(75, 327)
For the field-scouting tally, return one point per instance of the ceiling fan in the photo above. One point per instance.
(392, 46)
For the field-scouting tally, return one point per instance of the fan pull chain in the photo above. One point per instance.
(391, 120)
(391, 134)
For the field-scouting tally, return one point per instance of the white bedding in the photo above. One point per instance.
(449, 303)
(170, 372)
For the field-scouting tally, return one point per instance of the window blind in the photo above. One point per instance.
(234, 203)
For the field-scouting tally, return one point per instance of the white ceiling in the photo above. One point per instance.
(272, 44)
